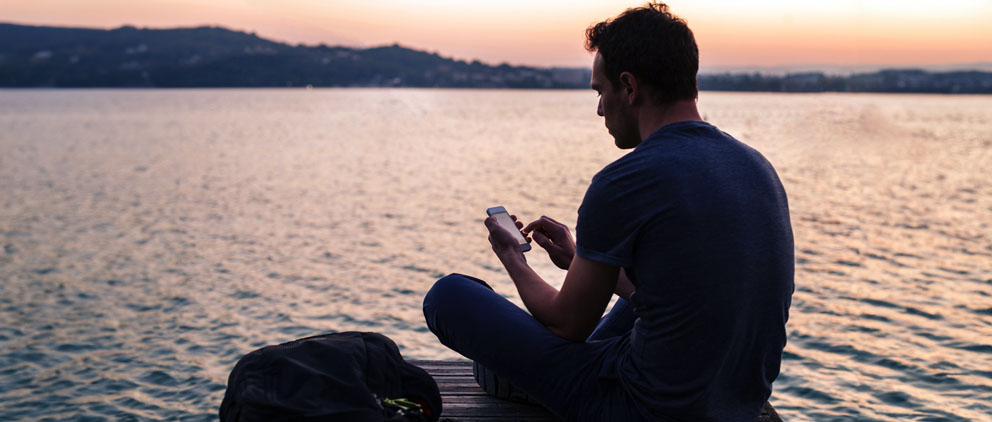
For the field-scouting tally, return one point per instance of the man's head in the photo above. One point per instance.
(645, 55)
(654, 45)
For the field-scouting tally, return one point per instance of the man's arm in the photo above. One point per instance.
(571, 313)
(557, 241)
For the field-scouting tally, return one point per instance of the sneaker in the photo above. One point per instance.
(498, 388)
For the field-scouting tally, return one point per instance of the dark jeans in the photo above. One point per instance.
(574, 380)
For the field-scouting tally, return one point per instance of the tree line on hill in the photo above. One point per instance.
(33, 56)
(37, 56)
(889, 80)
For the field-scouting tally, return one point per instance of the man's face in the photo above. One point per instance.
(614, 107)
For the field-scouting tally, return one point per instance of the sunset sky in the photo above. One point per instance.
(763, 33)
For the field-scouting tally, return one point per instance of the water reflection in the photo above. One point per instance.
(149, 238)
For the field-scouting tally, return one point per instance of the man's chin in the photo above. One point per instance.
(625, 143)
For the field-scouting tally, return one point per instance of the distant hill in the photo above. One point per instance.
(40, 56)
(889, 80)
(840, 69)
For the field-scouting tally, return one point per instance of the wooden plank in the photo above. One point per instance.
(465, 401)
(488, 408)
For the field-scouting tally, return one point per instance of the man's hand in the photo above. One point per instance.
(504, 244)
(555, 238)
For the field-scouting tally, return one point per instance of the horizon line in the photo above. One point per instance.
(768, 69)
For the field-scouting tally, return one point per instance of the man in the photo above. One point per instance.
(691, 229)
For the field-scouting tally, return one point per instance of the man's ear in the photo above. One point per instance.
(630, 87)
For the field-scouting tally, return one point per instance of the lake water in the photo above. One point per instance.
(149, 238)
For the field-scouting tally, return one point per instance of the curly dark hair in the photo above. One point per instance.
(654, 45)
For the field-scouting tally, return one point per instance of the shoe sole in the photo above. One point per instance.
(494, 386)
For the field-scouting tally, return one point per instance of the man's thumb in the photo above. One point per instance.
(491, 223)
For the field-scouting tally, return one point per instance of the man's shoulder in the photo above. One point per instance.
(630, 166)
(692, 144)
(662, 151)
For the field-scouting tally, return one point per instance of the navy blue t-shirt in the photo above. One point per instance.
(700, 223)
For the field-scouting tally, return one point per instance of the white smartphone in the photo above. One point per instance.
(504, 220)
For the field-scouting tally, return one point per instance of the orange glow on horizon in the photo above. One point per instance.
(551, 33)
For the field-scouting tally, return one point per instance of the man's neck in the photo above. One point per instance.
(653, 117)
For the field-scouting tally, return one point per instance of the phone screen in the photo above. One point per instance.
(504, 220)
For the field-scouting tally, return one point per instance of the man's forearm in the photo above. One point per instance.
(538, 296)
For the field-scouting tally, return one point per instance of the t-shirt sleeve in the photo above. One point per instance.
(607, 224)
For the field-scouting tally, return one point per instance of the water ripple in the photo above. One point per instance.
(148, 239)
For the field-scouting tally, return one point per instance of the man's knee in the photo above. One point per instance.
(441, 290)
(447, 288)
(450, 289)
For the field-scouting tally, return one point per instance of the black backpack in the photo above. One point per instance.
(350, 376)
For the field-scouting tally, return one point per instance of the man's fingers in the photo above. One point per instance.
(542, 224)
(557, 232)
(543, 240)
(550, 223)
(553, 221)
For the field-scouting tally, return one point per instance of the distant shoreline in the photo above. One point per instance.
(215, 57)
(412, 88)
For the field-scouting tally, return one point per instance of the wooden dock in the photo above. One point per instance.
(464, 401)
